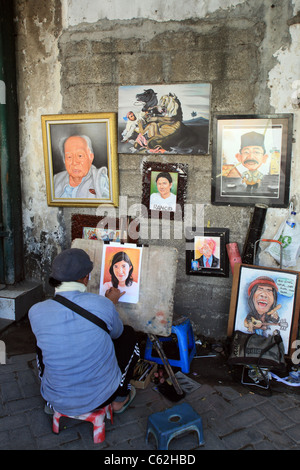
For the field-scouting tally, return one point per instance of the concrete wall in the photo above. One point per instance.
(72, 57)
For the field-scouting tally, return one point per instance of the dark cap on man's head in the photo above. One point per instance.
(253, 138)
(71, 265)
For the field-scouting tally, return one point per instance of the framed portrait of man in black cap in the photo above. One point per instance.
(252, 160)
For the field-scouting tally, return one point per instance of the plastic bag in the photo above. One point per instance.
(289, 235)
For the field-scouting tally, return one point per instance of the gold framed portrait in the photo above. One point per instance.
(81, 160)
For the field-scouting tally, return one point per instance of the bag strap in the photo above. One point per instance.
(81, 311)
(277, 341)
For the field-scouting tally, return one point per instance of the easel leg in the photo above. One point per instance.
(165, 361)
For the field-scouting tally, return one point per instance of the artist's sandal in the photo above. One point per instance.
(131, 398)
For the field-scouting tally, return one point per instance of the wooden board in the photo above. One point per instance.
(153, 313)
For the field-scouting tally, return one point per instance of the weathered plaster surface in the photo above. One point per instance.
(92, 11)
(39, 93)
(284, 85)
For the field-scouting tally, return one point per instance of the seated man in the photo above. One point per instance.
(82, 366)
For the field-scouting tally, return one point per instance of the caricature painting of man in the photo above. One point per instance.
(252, 159)
(250, 155)
(265, 303)
(207, 252)
(262, 300)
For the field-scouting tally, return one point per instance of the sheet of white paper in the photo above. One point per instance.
(121, 268)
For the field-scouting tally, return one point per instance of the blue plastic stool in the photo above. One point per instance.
(186, 345)
(168, 424)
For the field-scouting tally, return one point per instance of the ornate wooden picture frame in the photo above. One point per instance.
(158, 179)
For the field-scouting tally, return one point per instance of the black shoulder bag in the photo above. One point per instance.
(81, 311)
(254, 349)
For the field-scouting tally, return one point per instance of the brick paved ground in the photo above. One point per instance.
(233, 417)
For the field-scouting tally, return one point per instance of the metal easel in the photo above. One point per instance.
(160, 351)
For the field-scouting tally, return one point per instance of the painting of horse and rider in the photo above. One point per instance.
(171, 119)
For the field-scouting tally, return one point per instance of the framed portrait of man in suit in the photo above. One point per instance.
(206, 252)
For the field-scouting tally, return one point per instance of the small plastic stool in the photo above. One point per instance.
(96, 417)
(168, 424)
(186, 346)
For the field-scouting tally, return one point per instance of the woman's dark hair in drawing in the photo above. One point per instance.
(121, 256)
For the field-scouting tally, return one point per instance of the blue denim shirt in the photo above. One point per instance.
(81, 370)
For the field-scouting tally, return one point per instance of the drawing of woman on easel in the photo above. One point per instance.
(121, 270)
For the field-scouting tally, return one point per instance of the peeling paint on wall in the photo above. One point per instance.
(92, 11)
(39, 93)
(283, 81)
(285, 73)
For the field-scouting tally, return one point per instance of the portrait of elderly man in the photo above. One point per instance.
(80, 179)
